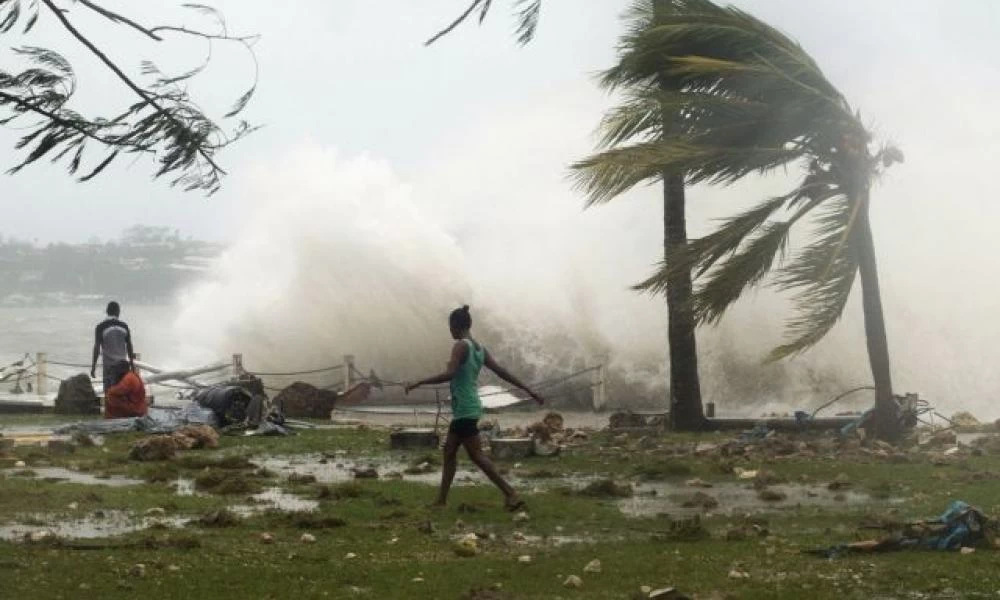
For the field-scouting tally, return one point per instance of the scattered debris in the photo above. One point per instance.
(219, 518)
(960, 526)
(772, 495)
(698, 500)
(841, 482)
(593, 566)
(203, 435)
(698, 483)
(965, 420)
(365, 473)
(467, 546)
(607, 488)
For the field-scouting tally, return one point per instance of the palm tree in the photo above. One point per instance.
(715, 94)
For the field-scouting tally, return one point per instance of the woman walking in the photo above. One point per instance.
(467, 358)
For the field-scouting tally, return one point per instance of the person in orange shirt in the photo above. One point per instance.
(127, 398)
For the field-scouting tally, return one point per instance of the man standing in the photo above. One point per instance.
(113, 340)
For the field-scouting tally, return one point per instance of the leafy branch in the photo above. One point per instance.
(164, 122)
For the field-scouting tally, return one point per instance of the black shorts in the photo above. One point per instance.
(464, 428)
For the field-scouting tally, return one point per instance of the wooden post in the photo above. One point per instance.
(237, 365)
(41, 373)
(348, 370)
(599, 385)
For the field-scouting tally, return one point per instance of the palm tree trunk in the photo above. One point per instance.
(685, 389)
(886, 419)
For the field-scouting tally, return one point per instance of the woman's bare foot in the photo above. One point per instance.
(514, 503)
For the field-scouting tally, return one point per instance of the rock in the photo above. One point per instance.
(645, 590)
(697, 483)
(554, 421)
(541, 448)
(83, 440)
(157, 447)
(19, 464)
(521, 517)
(173, 568)
(593, 566)
(967, 550)
(945, 437)
(156, 512)
(417, 580)
(61, 447)
(744, 473)
(308, 538)
(203, 435)
(517, 536)
(467, 547)
(621, 420)
(36, 537)
(266, 538)
(137, 571)
(771, 495)
(76, 397)
(302, 400)
(952, 451)
(524, 559)
(573, 582)
(841, 482)
(350, 556)
(427, 527)
(737, 574)
(367, 473)
(699, 500)
(669, 593)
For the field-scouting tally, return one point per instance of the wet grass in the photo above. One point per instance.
(395, 537)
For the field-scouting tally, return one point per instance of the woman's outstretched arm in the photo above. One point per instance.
(458, 353)
(506, 375)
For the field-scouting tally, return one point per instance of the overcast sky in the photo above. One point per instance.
(479, 132)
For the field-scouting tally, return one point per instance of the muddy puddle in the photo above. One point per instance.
(61, 475)
(99, 524)
(652, 499)
(341, 469)
(275, 499)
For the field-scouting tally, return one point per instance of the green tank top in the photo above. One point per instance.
(465, 402)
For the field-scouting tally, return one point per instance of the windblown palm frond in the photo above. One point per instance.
(527, 13)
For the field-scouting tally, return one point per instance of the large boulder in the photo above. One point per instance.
(76, 397)
(302, 400)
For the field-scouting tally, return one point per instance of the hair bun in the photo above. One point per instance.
(465, 308)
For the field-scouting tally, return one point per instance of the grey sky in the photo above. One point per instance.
(481, 131)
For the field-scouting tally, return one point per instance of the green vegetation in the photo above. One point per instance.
(395, 538)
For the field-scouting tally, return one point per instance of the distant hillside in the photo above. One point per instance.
(146, 264)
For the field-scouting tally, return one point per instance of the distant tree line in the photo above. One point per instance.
(145, 264)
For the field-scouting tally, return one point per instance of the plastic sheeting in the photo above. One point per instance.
(157, 420)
